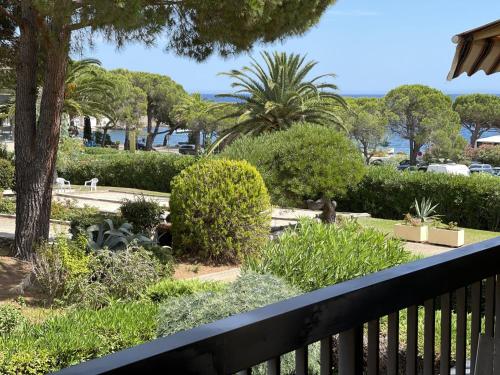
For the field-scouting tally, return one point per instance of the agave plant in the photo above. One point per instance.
(425, 211)
(278, 94)
(104, 235)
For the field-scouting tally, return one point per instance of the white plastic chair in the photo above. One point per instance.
(63, 184)
(92, 183)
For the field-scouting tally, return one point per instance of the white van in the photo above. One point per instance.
(460, 169)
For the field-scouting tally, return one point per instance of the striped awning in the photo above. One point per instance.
(477, 49)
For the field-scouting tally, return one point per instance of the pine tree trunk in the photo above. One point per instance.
(126, 144)
(36, 143)
(475, 135)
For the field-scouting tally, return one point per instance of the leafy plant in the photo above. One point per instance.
(119, 275)
(75, 337)
(316, 255)
(220, 210)
(7, 205)
(170, 288)
(142, 213)
(305, 162)
(6, 174)
(413, 221)
(425, 211)
(248, 292)
(10, 318)
(105, 236)
(58, 266)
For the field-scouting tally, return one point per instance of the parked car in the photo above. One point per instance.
(459, 169)
(405, 165)
(481, 168)
(187, 149)
(496, 171)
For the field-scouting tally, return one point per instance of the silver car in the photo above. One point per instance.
(481, 168)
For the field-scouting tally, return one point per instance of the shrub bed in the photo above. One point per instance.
(305, 162)
(315, 255)
(249, 292)
(220, 210)
(78, 336)
(471, 201)
(140, 170)
(170, 288)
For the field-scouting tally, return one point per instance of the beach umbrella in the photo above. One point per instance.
(477, 49)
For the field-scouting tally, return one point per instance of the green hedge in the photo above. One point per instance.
(472, 202)
(6, 174)
(140, 170)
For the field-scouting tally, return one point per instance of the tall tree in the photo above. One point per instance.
(416, 111)
(47, 29)
(277, 94)
(162, 93)
(367, 123)
(478, 114)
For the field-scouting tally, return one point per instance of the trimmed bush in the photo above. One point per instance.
(220, 210)
(471, 201)
(249, 292)
(78, 336)
(170, 288)
(142, 213)
(7, 205)
(140, 170)
(6, 174)
(305, 162)
(316, 255)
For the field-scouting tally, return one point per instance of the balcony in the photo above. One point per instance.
(464, 285)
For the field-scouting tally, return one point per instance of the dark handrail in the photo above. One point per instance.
(244, 340)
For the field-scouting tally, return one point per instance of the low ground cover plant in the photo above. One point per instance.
(315, 255)
(249, 292)
(170, 288)
(75, 337)
(305, 162)
(141, 170)
(220, 211)
(471, 201)
(10, 318)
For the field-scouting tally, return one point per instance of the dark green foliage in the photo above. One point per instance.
(75, 337)
(87, 129)
(170, 288)
(7, 205)
(316, 255)
(6, 174)
(472, 202)
(140, 170)
(98, 139)
(220, 210)
(142, 213)
(305, 162)
(10, 318)
(249, 292)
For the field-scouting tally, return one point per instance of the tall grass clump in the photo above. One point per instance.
(316, 255)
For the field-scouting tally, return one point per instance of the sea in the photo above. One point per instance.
(394, 141)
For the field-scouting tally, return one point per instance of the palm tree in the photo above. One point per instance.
(278, 94)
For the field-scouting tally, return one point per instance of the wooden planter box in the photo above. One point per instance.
(411, 233)
(441, 236)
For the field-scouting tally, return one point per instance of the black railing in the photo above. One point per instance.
(458, 282)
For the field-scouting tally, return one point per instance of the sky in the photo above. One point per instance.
(372, 47)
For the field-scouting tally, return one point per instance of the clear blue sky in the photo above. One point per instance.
(372, 46)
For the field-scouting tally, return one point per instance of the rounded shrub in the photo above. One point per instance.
(6, 174)
(305, 162)
(220, 210)
(143, 213)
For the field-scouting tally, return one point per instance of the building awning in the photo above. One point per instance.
(493, 140)
(477, 49)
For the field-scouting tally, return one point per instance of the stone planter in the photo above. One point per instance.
(447, 237)
(411, 233)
